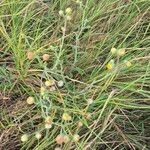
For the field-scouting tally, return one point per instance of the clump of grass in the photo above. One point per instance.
(74, 74)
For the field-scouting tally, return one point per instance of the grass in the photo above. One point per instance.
(107, 108)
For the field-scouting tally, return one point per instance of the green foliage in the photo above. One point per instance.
(105, 95)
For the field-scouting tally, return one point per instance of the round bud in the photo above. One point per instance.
(61, 13)
(60, 83)
(42, 90)
(24, 138)
(80, 124)
(121, 52)
(76, 137)
(66, 117)
(30, 100)
(78, 1)
(90, 101)
(110, 64)
(49, 83)
(63, 29)
(48, 126)
(48, 120)
(60, 139)
(46, 57)
(38, 135)
(68, 17)
(58, 148)
(30, 55)
(52, 88)
(68, 10)
(113, 50)
(128, 63)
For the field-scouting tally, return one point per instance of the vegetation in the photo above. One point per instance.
(75, 74)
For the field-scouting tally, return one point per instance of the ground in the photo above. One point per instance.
(75, 74)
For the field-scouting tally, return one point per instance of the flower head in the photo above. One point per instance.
(80, 124)
(24, 138)
(68, 17)
(121, 52)
(30, 55)
(66, 117)
(52, 88)
(110, 65)
(60, 139)
(88, 116)
(46, 57)
(90, 101)
(128, 63)
(49, 83)
(68, 11)
(38, 135)
(113, 50)
(30, 100)
(48, 122)
(60, 83)
(78, 1)
(76, 137)
(61, 13)
(48, 126)
(58, 148)
(43, 90)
